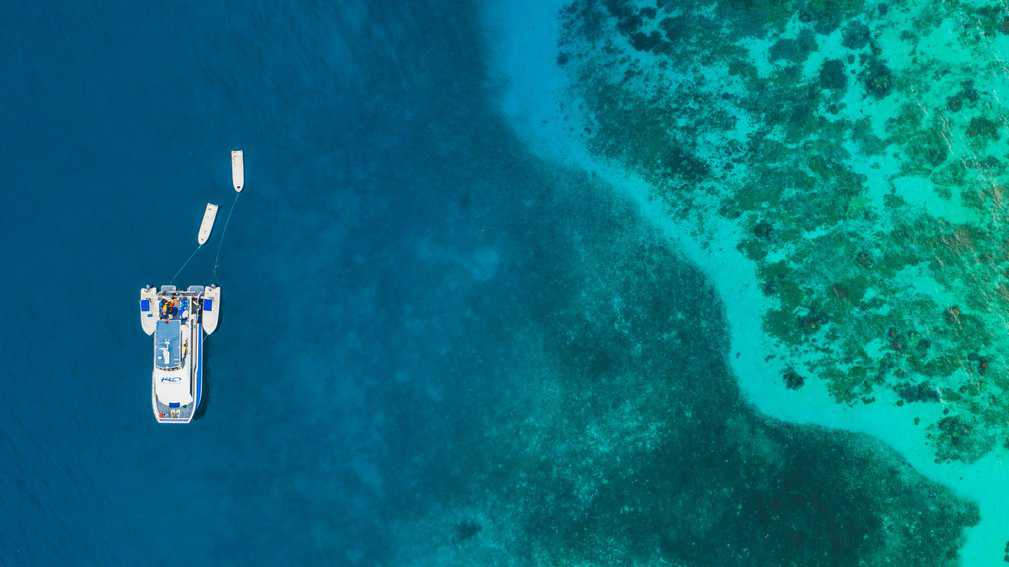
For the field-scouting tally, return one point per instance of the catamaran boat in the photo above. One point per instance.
(178, 321)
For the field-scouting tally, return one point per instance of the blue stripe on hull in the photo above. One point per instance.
(199, 368)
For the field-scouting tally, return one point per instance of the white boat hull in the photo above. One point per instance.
(178, 329)
(207, 225)
(237, 170)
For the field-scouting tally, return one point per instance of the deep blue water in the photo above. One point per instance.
(430, 339)
(117, 123)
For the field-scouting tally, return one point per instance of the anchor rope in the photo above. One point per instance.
(184, 264)
(224, 232)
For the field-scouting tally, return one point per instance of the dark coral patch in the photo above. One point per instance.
(922, 392)
(675, 28)
(877, 78)
(686, 165)
(763, 229)
(647, 42)
(855, 35)
(466, 529)
(793, 380)
(794, 50)
(983, 128)
(832, 75)
(959, 439)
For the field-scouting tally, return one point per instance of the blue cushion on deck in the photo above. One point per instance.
(208, 304)
(145, 304)
(173, 405)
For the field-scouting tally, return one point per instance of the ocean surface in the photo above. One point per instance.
(502, 288)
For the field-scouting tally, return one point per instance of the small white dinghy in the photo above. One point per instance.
(207, 226)
(237, 170)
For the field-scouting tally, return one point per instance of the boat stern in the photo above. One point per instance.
(172, 413)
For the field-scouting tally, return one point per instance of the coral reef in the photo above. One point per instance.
(864, 162)
(618, 436)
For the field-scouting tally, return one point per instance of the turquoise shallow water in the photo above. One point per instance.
(835, 170)
(438, 346)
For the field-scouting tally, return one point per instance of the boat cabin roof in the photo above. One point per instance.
(168, 344)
